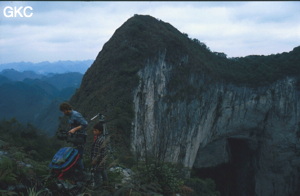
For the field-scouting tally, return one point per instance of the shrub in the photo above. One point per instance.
(203, 187)
(164, 175)
(7, 176)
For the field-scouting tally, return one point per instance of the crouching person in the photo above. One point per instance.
(98, 155)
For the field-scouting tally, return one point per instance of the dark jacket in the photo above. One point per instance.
(99, 151)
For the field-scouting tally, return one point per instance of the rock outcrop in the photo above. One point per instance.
(252, 129)
(162, 88)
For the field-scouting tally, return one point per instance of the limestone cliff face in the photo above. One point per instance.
(164, 91)
(253, 129)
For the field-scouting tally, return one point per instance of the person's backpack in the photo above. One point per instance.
(64, 160)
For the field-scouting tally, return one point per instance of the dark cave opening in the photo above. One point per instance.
(237, 177)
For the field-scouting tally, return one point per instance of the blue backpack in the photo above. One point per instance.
(65, 159)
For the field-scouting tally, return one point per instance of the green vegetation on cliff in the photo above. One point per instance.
(108, 85)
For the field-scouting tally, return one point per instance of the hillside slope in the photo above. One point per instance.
(36, 100)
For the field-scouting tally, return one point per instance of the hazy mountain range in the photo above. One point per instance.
(34, 98)
(49, 67)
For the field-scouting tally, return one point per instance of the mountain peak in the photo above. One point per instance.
(144, 37)
(139, 39)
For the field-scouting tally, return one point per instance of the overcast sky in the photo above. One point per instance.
(77, 30)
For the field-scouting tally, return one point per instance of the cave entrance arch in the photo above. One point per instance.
(237, 176)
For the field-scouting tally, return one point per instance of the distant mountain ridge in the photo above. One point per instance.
(34, 98)
(15, 75)
(49, 67)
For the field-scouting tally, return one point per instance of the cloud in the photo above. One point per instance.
(78, 30)
(239, 29)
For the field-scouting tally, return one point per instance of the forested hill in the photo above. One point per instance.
(141, 37)
(256, 70)
(139, 41)
(171, 93)
(108, 84)
(35, 98)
